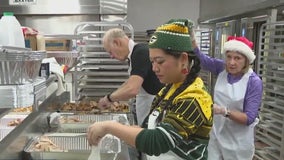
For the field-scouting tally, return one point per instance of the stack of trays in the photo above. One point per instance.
(39, 90)
(23, 95)
(7, 98)
(19, 68)
(19, 65)
(13, 96)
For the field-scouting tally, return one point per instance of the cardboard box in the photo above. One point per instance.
(31, 42)
(57, 44)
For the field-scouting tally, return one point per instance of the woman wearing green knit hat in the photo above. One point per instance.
(181, 116)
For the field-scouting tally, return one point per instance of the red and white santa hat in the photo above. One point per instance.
(240, 44)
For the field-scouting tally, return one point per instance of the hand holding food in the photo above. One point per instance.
(104, 103)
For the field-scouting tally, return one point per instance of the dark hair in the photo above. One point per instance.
(193, 74)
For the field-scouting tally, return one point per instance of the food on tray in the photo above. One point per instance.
(70, 120)
(118, 107)
(23, 109)
(81, 106)
(74, 119)
(45, 144)
(92, 107)
(15, 122)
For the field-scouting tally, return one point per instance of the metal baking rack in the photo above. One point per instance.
(204, 39)
(96, 74)
(270, 130)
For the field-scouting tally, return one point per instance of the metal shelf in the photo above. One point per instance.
(96, 74)
(271, 129)
(205, 40)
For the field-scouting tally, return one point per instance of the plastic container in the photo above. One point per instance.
(11, 33)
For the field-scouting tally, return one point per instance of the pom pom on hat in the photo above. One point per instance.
(173, 35)
(240, 44)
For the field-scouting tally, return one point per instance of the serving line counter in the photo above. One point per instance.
(72, 143)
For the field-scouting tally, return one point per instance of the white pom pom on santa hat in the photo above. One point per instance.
(240, 44)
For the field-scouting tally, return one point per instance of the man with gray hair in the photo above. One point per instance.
(142, 81)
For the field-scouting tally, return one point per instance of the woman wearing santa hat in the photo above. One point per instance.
(237, 99)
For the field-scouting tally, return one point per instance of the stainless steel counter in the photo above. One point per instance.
(12, 146)
(4, 111)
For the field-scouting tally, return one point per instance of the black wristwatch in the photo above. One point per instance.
(108, 97)
(228, 113)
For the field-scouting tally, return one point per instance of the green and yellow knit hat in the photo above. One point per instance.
(173, 35)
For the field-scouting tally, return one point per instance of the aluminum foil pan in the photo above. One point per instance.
(18, 66)
(71, 146)
(80, 123)
(8, 123)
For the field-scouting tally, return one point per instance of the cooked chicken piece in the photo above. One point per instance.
(75, 119)
(23, 109)
(46, 145)
(15, 122)
(92, 107)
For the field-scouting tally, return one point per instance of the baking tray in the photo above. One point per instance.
(72, 147)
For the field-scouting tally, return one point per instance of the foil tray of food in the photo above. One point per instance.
(90, 107)
(79, 123)
(69, 146)
(8, 123)
(21, 110)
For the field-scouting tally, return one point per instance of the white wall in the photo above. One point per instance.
(149, 14)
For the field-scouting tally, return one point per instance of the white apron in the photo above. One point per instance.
(143, 102)
(152, 123)
(235, 141)
(143, 105)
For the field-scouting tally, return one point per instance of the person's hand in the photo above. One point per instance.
(219, 109)
(104, 103)
(191, 30)
(96, 132)
(192, 34)
(192, 37)
(54, 119)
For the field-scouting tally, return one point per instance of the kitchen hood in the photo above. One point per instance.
(61, 16)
